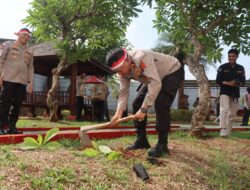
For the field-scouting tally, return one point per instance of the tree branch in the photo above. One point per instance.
(83, 16)
(223, 19)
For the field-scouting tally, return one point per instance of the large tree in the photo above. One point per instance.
(79, 28)
(177, 49)
(206, 26)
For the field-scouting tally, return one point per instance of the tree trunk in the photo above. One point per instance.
(52, 101)
(181, 98)
(201, 111)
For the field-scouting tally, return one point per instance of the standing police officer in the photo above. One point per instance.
(16, 75)
(160, 75)
(230, 77)
(79, 97)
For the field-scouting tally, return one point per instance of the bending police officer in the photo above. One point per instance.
(160, 75)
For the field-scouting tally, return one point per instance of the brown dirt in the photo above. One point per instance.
(177, 171)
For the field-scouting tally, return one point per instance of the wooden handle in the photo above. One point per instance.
(102, 125)
(128, 118)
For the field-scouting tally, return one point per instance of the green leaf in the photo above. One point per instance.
(30, 139)
(50, 134)
(90, 152)
(114, 155)
(104, 149)
(95, 145)
(29, 145)
(52, 145)
(40, 139)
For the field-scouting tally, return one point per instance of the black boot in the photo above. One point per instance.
(141, 141)
(2, 132)
(161, 147)
(12, 128)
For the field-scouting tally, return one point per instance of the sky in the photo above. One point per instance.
(140, 33)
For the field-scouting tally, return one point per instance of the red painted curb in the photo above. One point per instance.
(78, 128)
(93, 134)
(14, 139)
(218, 129)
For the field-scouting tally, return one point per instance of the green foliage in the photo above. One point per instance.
(6, 156)
(104, 149)
(32, 143)
(227, 175)
(65, 114)
(81, 28)
(212, 23)
(101, 149)
(54, 179)
(113, 155)
(69, 143)
(90, 152)
(113, 84)
(181, 115)
(234, 134)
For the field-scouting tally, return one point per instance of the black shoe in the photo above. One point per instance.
(2, 132)
(244, 124)
(139, 144)
(14, 131)
(159, 150)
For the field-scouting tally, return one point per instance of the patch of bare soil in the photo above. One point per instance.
(181, 170)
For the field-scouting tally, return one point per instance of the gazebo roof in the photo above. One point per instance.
(45, 59)
(2, 40)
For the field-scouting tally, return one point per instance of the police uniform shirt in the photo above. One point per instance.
(79, 83)
(228, 73)
(150, 68)
(16, 63)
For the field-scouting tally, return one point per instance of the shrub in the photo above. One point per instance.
(181, 115)
(30, 143)
(65, 114)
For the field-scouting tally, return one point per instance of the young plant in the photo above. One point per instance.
(30, 143)
(101, 149)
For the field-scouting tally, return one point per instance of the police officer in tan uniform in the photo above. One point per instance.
(16, 76)
(79, 97)
(160, 75)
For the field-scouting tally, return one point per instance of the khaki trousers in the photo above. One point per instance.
(228, 111)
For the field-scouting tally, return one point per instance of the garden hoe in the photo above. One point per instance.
(84, 138)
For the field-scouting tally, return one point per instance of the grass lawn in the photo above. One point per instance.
(22, 123)
(213, 163)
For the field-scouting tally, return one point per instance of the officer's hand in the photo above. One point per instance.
(29, 88)
(114, 121)
(1, 83)
(231, 83)
(139, 115)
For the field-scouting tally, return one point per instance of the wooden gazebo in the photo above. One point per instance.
(46, 59)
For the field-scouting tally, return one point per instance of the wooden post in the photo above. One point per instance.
(72, 94)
